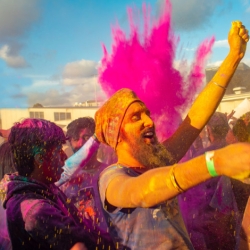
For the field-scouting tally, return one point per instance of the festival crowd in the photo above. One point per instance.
(108, 183)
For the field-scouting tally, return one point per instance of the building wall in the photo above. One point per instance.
(230, 102)
(10, 116)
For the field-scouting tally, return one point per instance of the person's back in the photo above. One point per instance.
(39, 216)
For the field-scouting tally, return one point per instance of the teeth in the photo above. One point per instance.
(149, 134)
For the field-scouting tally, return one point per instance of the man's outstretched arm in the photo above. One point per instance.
(159, 184)
(209, 99)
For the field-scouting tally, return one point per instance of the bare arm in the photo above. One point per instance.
(209, 99)
(155, 186)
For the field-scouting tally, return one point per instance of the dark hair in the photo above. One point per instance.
(241, 131)
(30, 137)
(74, 128)
(219, 125)
(6, 160)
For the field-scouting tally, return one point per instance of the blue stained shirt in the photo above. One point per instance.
(159, 227)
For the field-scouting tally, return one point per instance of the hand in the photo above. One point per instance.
(238, 38)
(230, 116)
(233, 161)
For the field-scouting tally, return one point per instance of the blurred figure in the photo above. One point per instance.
(241, 131)
(38, 213)
(211, 203)
(82, 188)
(6, 160)
(241, 128)
(217, 129)
(1, 139)
(79, 131)
(6, 167)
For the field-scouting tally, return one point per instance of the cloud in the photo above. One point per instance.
(194, 14)
(17, 17)
(40, 85)
(78, 83)
(214, 64)
(221, 43)
(62, 97)
(12, 58)
(18, 96)
(80, 69)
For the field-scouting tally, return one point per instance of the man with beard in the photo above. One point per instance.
(138, 192)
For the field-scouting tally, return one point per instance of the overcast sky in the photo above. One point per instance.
(49, 50)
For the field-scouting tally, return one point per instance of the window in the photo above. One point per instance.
(38, 115)
(60, 116)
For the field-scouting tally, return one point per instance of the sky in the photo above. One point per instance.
(50, 50)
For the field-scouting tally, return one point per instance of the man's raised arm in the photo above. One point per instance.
(209, 99)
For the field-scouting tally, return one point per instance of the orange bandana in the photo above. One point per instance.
(110, 116)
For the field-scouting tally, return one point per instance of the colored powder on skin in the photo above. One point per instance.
(144, 62)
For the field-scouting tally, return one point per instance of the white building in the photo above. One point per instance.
(62, 116)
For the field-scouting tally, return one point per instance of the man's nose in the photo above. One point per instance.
(148, 122)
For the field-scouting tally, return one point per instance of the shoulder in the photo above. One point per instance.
(115, 170)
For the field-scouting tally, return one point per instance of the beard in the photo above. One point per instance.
(150, 155)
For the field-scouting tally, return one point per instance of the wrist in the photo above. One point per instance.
(235, 56)
(209, 156)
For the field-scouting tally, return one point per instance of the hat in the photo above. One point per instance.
(110, 116)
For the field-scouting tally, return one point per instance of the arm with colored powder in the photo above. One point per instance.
(208, 100)
(78, 160)
(161, 184)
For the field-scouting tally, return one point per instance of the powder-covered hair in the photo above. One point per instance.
(30, 137)
(6, 160)
(75, 127)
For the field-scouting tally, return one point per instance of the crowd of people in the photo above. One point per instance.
(108, 183)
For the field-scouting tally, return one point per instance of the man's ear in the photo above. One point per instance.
(38, 159)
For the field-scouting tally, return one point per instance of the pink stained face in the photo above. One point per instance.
(53, 161)
(84, 135)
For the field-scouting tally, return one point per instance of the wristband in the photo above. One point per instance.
(210, 163)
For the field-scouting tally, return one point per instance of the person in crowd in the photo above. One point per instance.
(1, 139)
(82, 188)
(6, 166)
(241, 128)
(138, 191)
(241, 131)
(79, 131)
(39, 216)
(210, 203)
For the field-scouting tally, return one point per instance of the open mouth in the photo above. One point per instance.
(149, 136)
